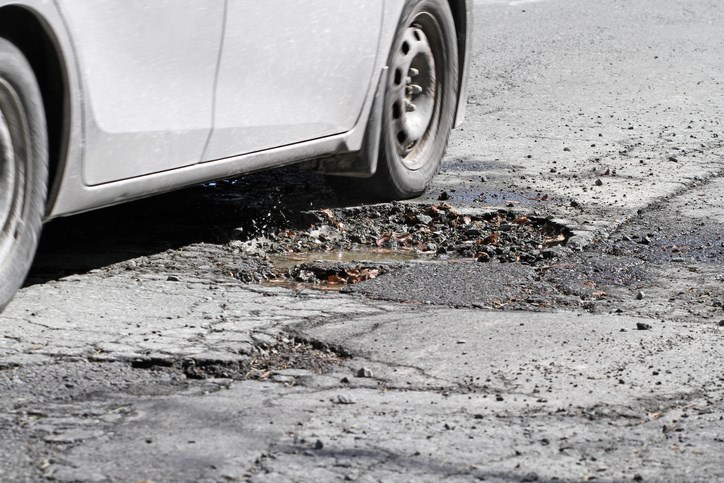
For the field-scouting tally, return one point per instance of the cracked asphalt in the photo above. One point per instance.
(137, 352)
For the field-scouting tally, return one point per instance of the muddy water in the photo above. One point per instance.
(357, 254)
(337, 269)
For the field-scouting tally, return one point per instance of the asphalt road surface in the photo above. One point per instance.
(561, 317)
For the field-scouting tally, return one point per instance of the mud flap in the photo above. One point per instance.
(362, 163)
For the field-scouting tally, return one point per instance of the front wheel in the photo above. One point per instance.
(420, 98)
(23, 168)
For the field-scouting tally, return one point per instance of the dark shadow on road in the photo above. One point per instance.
(212, 213)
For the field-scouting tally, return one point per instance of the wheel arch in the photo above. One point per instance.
(28, 31)
(462, 11)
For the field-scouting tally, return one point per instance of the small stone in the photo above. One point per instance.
(344, 380)
(643, 326)
(444, 196)
(599, 182)
(344, 399)
(318, 444)
(461, 341)
(173, 278)
(566, 149)
(424, 219)
(673, 159)
(557, 252)
(482, 257)
(530, 477)
(575, 204)
(721, 323)
(640, 296)
(364, 372)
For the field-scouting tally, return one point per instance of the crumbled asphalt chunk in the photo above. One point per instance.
(253, 269)
(364, 372)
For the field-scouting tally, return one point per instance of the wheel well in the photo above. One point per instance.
(30, 34)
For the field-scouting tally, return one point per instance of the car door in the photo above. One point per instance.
(292, 70)
(147, 70)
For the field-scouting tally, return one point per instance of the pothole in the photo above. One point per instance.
(270, 361)
(339, 247)
(273, 357)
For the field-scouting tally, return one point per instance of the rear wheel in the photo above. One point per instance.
(23, 168)
(420, 98)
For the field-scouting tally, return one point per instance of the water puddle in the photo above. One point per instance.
(337, 269)
(355, 255)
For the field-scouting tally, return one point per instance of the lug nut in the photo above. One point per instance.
(413, 72)
(414, 89)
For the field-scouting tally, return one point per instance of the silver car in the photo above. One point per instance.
(105, 101)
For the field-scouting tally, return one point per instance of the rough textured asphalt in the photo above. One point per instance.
(135, 353)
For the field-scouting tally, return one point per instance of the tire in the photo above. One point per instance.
(23, 168)
(420, 100)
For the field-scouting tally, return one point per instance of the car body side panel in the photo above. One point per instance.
(74, 196)
(291, 71)
(148, 72)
